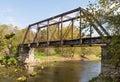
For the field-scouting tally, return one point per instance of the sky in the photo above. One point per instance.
(24, 12)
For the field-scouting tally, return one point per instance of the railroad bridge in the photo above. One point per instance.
(76, 27)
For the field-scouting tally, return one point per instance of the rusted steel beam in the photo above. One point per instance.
(74, 18)
(80, 28)
(25, 35)
(36, 34)
(75, 42)
(67, 16)
(102, 28)
(72, 29)
(92, 23)
(90, 34)
(48, 33)
(61, 38)
(58, 31)
(53, 21)
(52, 34)
(67, 31)
(39, 34)
(68, 12)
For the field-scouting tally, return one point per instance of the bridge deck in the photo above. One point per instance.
(85, 41)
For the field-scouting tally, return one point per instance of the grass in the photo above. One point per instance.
(47, 57)
(40, 57)
(1, 56)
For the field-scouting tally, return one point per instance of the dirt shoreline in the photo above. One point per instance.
(57, 59)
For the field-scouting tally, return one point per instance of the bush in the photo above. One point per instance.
(7, 61)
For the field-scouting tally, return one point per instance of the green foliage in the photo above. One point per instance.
(8, 61)
(86, 50)
(39, 53)
(1, 55)
(67, 51)
(49, 51)
(8, 36)
(7, 32)
(114, 23)
(40, 57)
(114, 49)
(107, 11)
(12, 61)
(93, 79)
(112, 17)
(107, 2)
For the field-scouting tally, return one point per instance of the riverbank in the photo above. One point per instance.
(108, 74)
(43, 59)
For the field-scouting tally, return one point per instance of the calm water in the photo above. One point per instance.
(75, 71)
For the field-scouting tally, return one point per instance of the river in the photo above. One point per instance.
(67, 71)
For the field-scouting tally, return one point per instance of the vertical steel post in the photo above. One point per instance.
(48, 33)
(72, 29)
(58, 31)
(90, 31)
(80, 29)
(36, 33)
(39, 33)
(39, 29)
(61, 39)
(90, 35)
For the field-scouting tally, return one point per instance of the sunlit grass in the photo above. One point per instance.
(40, 57)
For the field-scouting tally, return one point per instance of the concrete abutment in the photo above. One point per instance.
(26, 54)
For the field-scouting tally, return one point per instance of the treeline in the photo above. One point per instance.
(11, 36)
(70, 51)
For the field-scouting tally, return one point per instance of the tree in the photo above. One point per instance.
(108, 14)
(7, 34)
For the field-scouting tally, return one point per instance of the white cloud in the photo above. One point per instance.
(6, 10)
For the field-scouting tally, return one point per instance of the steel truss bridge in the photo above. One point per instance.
(71, 28)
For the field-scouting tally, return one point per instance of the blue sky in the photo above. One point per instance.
(25, 12)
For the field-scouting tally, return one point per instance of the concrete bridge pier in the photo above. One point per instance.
(26, 54)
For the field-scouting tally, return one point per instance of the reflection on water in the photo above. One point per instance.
(75, 71)
(89, 70)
